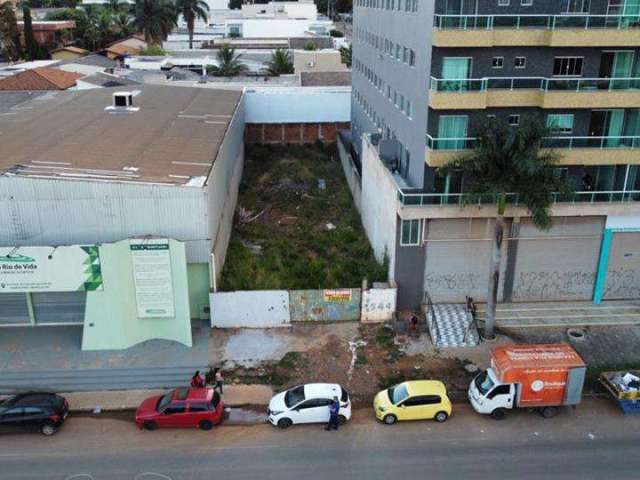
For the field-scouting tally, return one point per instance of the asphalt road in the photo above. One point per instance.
(594, 441)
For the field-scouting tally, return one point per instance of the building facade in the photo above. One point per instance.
(428, 75)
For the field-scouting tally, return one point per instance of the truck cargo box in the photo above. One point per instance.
(546, 375)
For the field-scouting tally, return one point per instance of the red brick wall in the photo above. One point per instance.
(283, 133)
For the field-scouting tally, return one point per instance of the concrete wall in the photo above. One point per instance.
(250, 309)
(623, 271)
(198, 278)
(318, 61)
(325, 305)
(111, 321)
(222, 188)
(379, 199)
(378, 304)
(351, 174)
(296, 133)
(298, 105)
(36, 211)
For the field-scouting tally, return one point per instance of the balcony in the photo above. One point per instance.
(570, 30)
(572, 150)
(481, 93)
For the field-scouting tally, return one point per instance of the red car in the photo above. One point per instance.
(182, 407)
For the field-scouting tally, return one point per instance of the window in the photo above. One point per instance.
(520, 62)
(575, 6)
(199, 407)
(504, 3)
(173, 409)
(491, 116)
(560, 123)
(526, 3)
(314, 403)
(499, 390)
(412, 57)
(497, 62)
(13, 414)
(410, 234)
(33, 411)
(422, 400)
(567, 66)
(514, 120)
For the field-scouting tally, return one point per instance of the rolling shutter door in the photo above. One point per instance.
(59, 307)
(14, 309)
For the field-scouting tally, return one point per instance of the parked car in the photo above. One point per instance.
(413, 400)
(308, 404)
(45, 412)
(182, 408)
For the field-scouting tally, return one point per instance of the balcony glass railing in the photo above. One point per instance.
(563, 142)
(551, 22)
(409, 198)
(463, 85)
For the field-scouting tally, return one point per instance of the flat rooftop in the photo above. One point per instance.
(173, 137)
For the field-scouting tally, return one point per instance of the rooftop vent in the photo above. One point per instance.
(123, 102)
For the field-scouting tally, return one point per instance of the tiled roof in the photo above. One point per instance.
(42, 78)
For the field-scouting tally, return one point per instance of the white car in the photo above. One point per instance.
(308, 404)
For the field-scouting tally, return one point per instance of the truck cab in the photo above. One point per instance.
(489, 396)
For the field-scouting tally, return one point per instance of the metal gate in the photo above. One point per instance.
(623, 272)
(14, 309)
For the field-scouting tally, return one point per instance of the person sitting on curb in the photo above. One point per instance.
(197, 381)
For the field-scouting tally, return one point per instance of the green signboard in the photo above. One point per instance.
(50, 269)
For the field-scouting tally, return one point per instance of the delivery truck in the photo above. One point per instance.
(538, 377)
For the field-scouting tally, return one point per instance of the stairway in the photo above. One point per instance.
(451, 325)
(85, 380)
(564, 314)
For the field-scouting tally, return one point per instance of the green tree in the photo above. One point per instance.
(116, 6)
(506, 161)
(229, 64)
(280, 63)
(153, 50)
(9, 33)
(235, 4)
(345, 55)
(123, 24)
(29, 42)
(155, 19)
(191, 10)
(310, 46)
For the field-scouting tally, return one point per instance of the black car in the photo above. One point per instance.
(45, 412)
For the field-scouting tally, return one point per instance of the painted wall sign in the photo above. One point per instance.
(152, 278)
(342, 295)
(50, 269)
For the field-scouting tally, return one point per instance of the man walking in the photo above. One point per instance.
(334, 410)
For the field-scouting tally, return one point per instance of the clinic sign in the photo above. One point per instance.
(152, 277)
(69, 268)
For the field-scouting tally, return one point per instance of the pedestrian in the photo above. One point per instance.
(218, 379)
(334, 410)
(413, 326)
(197, 381)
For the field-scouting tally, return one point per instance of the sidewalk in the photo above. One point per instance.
(234, 396)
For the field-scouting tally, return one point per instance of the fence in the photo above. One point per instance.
(280, 308)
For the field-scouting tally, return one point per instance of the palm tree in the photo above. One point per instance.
(505, 161)
(229, 64)
(280, 63)
(155, 19)
(123, 24)
(104, 26)
(191, 10)
(115, 6)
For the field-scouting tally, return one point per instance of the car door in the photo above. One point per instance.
(430, 404)
(12, 418)
(311, 411)
(409, 409)
(33, 417)
(175, 415)
(199, 411)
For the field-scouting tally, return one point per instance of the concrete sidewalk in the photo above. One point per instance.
(234, 396)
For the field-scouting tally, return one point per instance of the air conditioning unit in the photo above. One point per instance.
(204, 312)
(123, 99)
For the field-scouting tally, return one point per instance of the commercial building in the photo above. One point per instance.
(116, 209)
(428, 75)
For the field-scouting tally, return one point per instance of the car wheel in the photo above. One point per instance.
(342, 419)
(498, 414)
(48, 429)
(284, 423)
(549, 412)
(441, 417)
(390, 419)
(205, 425)
(150, 425)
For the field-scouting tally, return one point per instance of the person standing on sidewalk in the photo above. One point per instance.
(218, 379)
(334, 410)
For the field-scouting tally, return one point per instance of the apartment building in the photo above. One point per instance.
(428, 74)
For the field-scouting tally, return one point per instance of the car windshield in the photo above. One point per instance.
(484, 383)
(294, 396)
(164, 401)
(398, 393)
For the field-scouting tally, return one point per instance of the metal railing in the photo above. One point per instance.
(563, 142)
(513, 199)
(462, 85)
(549, 22)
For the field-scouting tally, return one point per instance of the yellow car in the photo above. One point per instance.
(414, 400)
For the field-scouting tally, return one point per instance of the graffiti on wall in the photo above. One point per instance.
(462, 283)
(622, 283)
(554, 285)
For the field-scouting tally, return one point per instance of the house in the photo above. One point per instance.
(318, 61)
(41, 78)
(68, 53)
(49, 33)
(125, 48)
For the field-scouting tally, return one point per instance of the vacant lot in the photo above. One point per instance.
(296, 226)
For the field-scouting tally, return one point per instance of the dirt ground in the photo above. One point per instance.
(364, 364)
